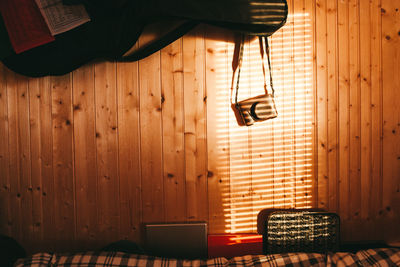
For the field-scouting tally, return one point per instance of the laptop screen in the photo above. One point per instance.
(177, 240)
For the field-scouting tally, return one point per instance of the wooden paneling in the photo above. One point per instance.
(87, 157)
(15, 204)
(151, 150)
(173, 131)
(41, 102)
(322, 99)
(4, 157)
(365, 119)
(218, 81)
(107, 150)
(343, 111)
(376, 114)
(63, 160)
(129, 150)
(390, 115)
(85, 154)
(195, 125)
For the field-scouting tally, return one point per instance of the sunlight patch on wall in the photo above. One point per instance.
(268, 165)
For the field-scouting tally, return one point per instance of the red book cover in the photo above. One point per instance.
(25, 25)
(234, 245)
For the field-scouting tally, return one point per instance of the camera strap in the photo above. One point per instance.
(238, 58)
(264, 39)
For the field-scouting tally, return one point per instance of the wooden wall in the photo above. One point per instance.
(358, 116)
(85, 158)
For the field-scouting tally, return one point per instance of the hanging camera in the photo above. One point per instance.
(258, 108)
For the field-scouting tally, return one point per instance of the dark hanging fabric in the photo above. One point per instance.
(116, 25)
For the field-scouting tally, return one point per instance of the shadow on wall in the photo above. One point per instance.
(270, 164)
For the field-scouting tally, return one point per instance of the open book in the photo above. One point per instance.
(61, 18)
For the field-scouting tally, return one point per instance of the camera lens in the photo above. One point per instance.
(260, 110)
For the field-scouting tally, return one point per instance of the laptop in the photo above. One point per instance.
(177, 240)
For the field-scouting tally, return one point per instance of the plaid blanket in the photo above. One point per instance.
(276, 260)
(385, 257)
(113, 259)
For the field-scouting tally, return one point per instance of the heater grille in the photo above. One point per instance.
(292, 231)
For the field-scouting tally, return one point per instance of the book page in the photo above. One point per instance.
(61, 18)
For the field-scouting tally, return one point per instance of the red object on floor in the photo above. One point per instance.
(25, 25)
(233, 245)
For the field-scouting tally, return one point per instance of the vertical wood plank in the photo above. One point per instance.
(24, 158)
(311, 107)
(218, 82)
(173, 131)
(376, 112)
(129, 150)
(299, 76)
(14, 163)
(322, 107)
(45, 118)
(354, 109)
(151, 143)
(5, 198)
(287, 116)
(288, 88)
(277, 59)
(107, 150)
(240, 144)
(391, 117)
(195, 125)
(365, 138)
(85, 155)
(344, 123)
(260, 138)
(332, 104)
(303, 103)
(63, 160)
(36, 128)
